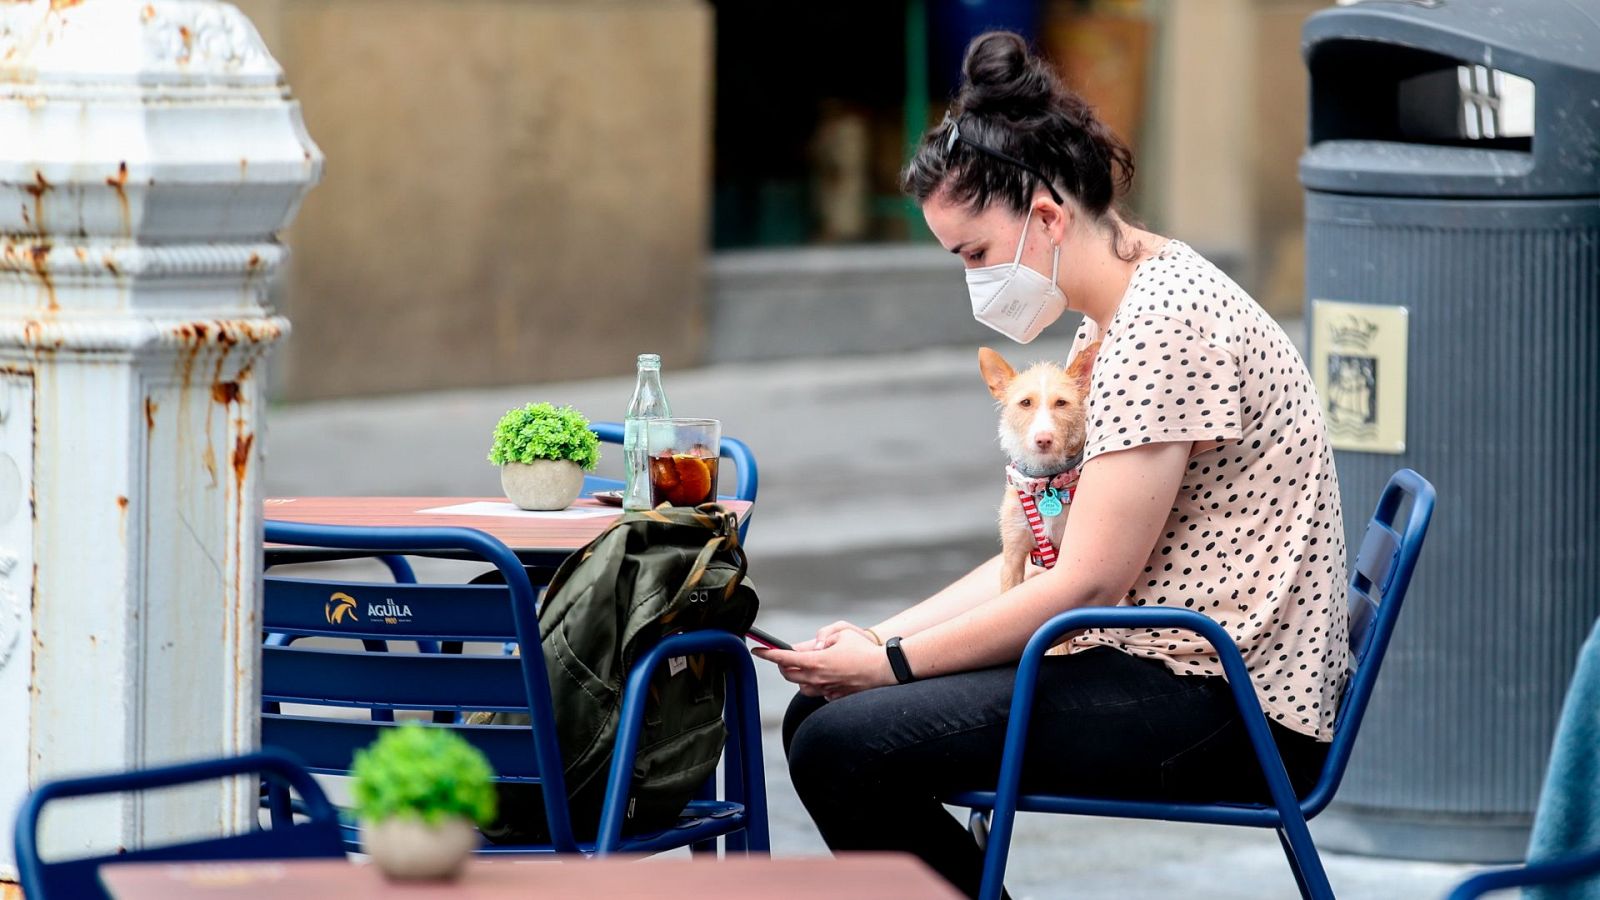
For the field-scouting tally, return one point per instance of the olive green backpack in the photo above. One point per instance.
(649, 575)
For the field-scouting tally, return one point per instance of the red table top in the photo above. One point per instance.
(520, 534)
(863, 876)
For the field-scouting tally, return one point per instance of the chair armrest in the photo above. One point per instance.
(1148, 618)
(620, 777)
(1547, 872)
(1145, 618)
(283, 767)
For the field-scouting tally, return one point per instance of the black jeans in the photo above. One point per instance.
(870, 767)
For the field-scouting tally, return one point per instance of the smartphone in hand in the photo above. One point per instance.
(767, 640)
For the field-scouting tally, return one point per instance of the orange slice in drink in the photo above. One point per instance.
(663, 478)
(693, 481)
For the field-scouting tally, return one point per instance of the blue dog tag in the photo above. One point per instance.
(1050, 503)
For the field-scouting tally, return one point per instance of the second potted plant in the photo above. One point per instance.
(542, 452)
(418, 792)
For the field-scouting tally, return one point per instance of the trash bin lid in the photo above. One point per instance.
(1454, 98)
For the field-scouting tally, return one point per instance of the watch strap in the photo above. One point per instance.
(897, 661)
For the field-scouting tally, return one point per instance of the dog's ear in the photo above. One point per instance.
(1082, 366)
(997, 373)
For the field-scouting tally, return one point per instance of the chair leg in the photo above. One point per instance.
(978, 825)
(745, 765)
(279, 805)
(1294, 864)
(708, 848)
(996, 852)
(1304, 861)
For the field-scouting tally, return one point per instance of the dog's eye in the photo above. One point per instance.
(1025, 402)
(1060, 402)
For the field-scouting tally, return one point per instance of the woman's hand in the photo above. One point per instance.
(850, 664)
(827, 634)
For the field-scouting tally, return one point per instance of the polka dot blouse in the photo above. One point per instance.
(1255, 539)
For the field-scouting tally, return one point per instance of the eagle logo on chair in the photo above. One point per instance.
(339, 607)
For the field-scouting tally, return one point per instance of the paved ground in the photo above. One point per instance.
(879, 478)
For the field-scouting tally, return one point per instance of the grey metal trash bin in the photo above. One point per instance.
(1438, 179)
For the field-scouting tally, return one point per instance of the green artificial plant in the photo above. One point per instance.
(428, 773)
(541, 431)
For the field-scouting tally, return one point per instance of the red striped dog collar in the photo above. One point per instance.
(1051, 491)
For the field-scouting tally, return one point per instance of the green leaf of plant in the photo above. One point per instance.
(421, 772)
(542, 431)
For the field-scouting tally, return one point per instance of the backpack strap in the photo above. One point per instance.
(723, 523)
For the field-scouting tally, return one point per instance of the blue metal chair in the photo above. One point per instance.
(450, 683)
(1547, 874)
(747, 475)
(1378, 583)
(400, 568)
(77, 879)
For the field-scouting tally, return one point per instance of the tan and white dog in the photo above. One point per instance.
(1042, 430)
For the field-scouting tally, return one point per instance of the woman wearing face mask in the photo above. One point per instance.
(1207, 483)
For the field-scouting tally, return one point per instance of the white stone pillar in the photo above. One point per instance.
(150, 152)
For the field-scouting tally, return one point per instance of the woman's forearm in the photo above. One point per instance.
(966, 592)
(995, 632)
(1118, 511)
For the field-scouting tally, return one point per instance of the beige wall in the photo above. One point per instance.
(1202, 174)
(1229, 120)
(515, 190)
(1280, 111)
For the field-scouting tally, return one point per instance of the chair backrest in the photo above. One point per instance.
(1379, 578)
(440, 682)
(747, 476)
(316, 837)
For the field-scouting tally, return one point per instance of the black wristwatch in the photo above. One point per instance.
(897, 661)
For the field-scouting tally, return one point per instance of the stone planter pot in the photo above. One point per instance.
(543, 484)
(413, 850)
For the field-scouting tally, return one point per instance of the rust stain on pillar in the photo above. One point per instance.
(36, 336)
(193, 336)
(252, 273)
(243, 445)
(39, 256)
(226, 342)
(32, 258)
(241, 457)
(119, 183)
(37, 190)
(224, 335)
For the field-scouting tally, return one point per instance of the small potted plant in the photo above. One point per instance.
(542, 452)
(418, 792)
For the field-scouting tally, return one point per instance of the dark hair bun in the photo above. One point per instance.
(1013, 103)
(1004, 79)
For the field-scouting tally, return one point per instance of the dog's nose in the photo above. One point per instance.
(1044, 441)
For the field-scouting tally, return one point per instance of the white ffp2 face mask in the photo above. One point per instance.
(1015, 300)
